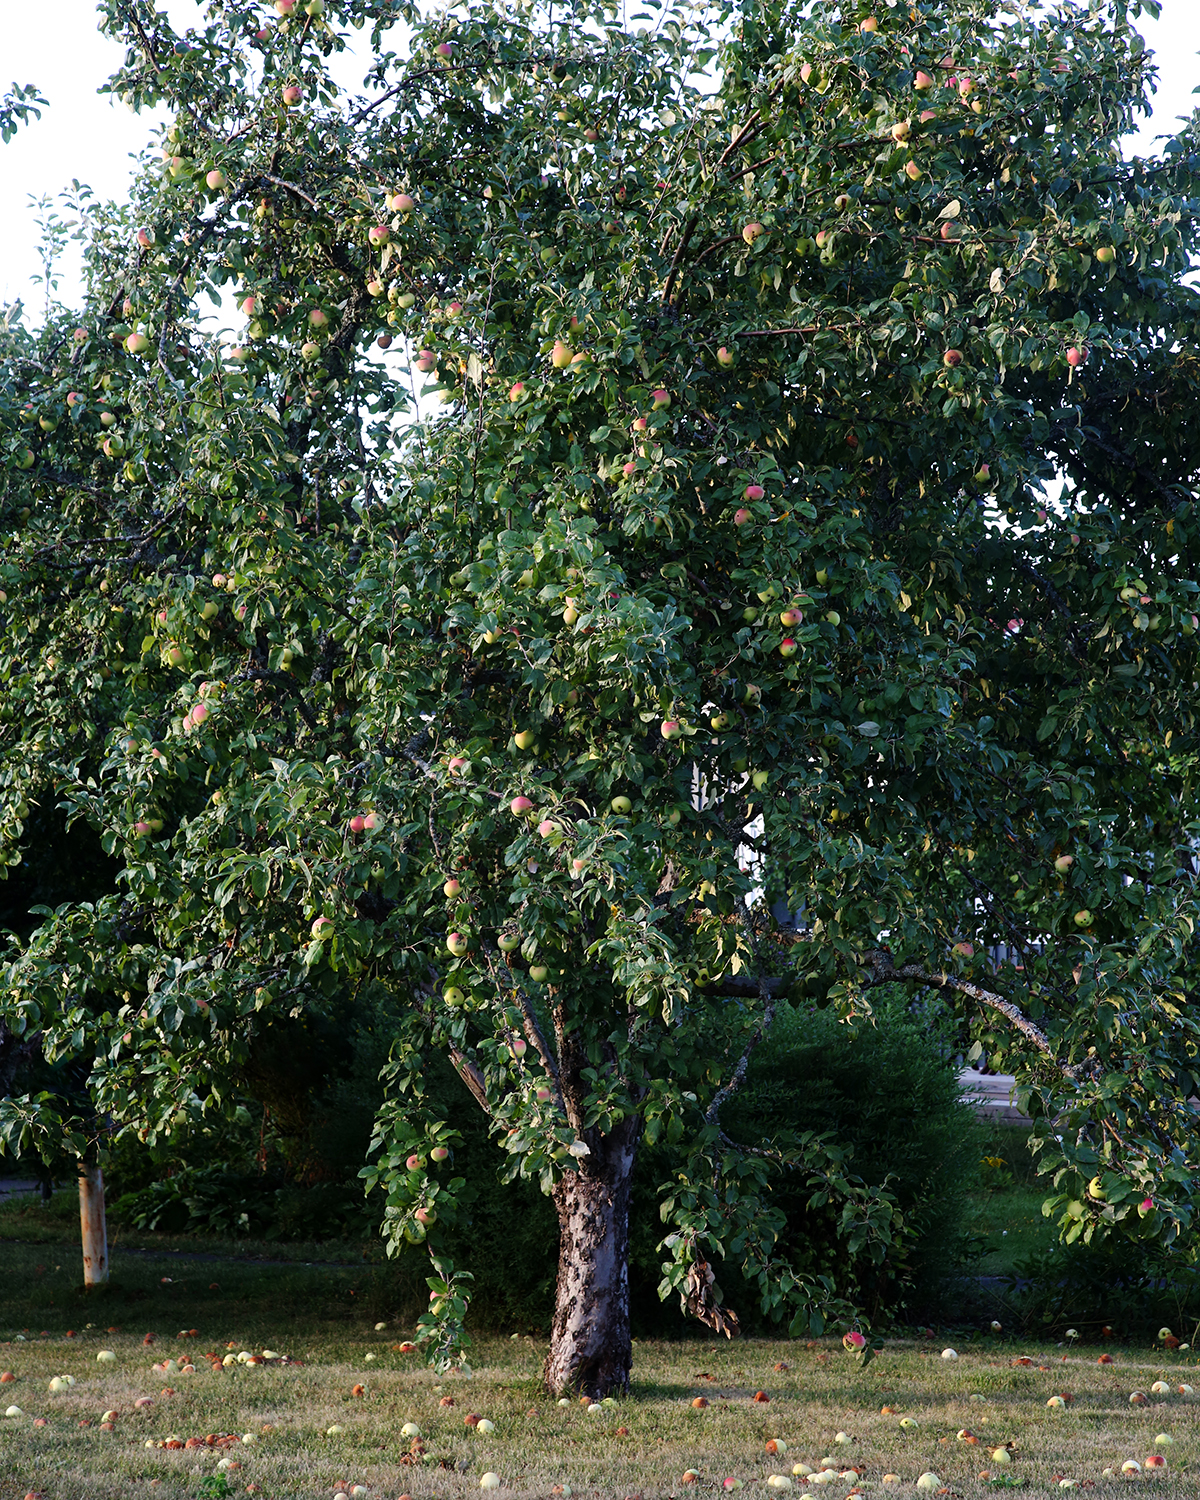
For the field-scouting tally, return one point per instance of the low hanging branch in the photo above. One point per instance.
(883, 970)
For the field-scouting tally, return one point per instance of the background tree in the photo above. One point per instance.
(718, 562)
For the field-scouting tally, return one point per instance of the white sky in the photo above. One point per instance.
(85, 136)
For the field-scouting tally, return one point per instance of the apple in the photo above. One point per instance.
(539, 973)
(561, 355)
(378, 234)
(901, 130)
(1145, 1207)
(1106, 254)
(199, 713)
(742, 517)
(318, 318)
(788, 647)
(869, 25)
(292, 93)
(1095, 1190)
(405, 300)
(519, 1047)
(401, 203)
(372, 821)
(215, 179)
(426, 1215)
(791, 617)
(760, 780)
(725, 357)
(440, 1153)
(516, 391)
(639, 424)
(952, 358)
(660, 400)
(621, 805)
(453, 995)
(1063, 863)
(520, 805)
(414, 1163)
(322, 929)
(25, 460)
(1131, 1466)
(1156, 1461)
(912, 171)
(113, 446)
(671, 729)
(951, 230)
(444, 49)
(489, 1481)
(454, 309)
(753, 492)
(137, 343)
(929, 1481)
(507, 942)
(145, 238)
(1076, 357)
(456, 764)
(452, 888)
(425, 361)
(1083, 918)
(922, 81)
(751, 232)
(853, 1341)
(457, 944)
(546, 827)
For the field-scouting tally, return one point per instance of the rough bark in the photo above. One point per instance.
(92, 1226)
(590, 1346)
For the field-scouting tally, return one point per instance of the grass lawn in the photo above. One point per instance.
(324, 1316)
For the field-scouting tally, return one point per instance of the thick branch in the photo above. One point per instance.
(884, 971)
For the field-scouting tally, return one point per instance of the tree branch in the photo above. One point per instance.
(884, 971)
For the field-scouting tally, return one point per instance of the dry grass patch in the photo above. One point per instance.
(642, 1445)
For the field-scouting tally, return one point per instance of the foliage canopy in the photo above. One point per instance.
(753, 343)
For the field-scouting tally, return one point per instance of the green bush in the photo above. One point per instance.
(889, 1092)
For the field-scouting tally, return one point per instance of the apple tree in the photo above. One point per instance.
(692, 513)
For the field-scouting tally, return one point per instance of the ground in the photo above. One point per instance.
(642, 1446)
(320, 1304)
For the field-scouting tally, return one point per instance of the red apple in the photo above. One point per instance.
(787, 646)
(426, 1215)
(292, 93)
(516, 391)
(137, 343)
(742, 517)
(922, 81)
(520, 805)
(952, 358)
(456, 763)
(1076, 357)
(414, 1163)
(318, 318)
(671, 729)
(378, 234)
(425, 361)
(951, 230)
(753, 492)
(451, 888)
(401, 203)
(660, 399)
(561, 355)
(725, 357)
(791, 618)
(215, 179)
(751, 232)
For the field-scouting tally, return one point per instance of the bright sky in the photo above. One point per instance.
(85, 136)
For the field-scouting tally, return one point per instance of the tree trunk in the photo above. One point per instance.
(93, 1227)
(590, 1348)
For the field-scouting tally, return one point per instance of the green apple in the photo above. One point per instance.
(322, 929)
(621, 805)
(508, 942)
